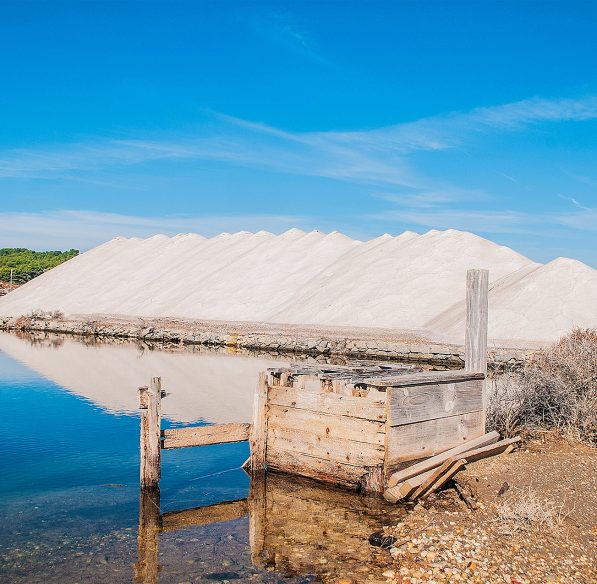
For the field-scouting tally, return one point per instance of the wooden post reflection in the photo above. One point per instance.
(257, 517)
(146, 568)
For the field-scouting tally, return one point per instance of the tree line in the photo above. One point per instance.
(26, 264)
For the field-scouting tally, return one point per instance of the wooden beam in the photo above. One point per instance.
(475, 343)
(427, 378)
(150, 442)
(442, 478)
(258, 437)
(218, 513)
(435, 475)
(434, 461)
(205, 435)
(407, 405)
(490, 450)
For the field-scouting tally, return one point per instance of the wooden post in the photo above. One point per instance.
(258, 438)
(150, 447)
(475, 343)
(146, 568)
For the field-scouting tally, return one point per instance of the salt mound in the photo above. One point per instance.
(410, 281)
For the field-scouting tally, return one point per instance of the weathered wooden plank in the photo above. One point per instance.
(407, 405)
(204, 435)
(150, 435)
(325, 425)
(336, 473)
(401, 490)
(434, 461)
(444, 477)
(218, 513)
(426, 439)
(435, 475)
(328, 403)
(490, 450)
(475, 340)
(324, 446)
(258, 518)
(258, 437)
(426, 378)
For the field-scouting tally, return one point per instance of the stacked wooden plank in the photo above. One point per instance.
(419, 480)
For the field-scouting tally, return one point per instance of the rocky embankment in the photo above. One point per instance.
(262, 337)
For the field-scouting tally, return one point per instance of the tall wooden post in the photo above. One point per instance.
(475, 342)
(150, 446)
(258, 438)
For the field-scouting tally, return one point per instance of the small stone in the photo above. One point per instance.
(389, 574)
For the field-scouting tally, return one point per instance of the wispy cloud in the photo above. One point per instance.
(63, 229)
(376, 157)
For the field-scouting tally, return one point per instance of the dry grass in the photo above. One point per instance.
(527, 511)
(556, 389)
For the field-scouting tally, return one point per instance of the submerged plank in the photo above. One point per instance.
(204, 435)
(407, 405)
(205, 515)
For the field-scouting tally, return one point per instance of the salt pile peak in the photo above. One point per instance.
(410, 281)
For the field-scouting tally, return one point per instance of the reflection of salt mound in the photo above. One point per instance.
(208, 386)
(406, 282)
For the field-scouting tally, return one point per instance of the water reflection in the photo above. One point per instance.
(296, 528)
(203, 385)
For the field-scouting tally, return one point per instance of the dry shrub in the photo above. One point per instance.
(557, 389)
(526, 511)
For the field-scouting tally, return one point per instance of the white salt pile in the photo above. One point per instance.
(407, 282)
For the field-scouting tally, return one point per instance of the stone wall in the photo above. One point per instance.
(355, 348)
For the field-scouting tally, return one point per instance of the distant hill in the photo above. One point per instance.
(27, 264)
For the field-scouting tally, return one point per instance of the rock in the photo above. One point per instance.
(378, 539)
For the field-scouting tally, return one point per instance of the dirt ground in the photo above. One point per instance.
(442, 540)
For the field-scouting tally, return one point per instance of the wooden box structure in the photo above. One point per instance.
(354, 426)
(351, 426)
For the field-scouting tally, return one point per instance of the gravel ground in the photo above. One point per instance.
(554, 541)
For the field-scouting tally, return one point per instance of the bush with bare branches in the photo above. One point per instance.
(557, 388)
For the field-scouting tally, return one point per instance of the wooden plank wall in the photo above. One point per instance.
(332, 437)
(424, 420)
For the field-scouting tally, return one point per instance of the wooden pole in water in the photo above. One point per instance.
(150, 447)
(475, 343)
(258, 438)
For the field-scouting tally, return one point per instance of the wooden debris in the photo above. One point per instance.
(434, 461)
(468, 498)
(430, 481)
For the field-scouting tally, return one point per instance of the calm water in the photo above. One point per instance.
(69, 495)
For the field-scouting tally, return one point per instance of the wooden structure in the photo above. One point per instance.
(353, 426)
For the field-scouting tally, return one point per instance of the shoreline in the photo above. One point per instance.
(380, 344)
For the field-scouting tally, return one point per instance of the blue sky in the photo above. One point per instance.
(135, 118)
